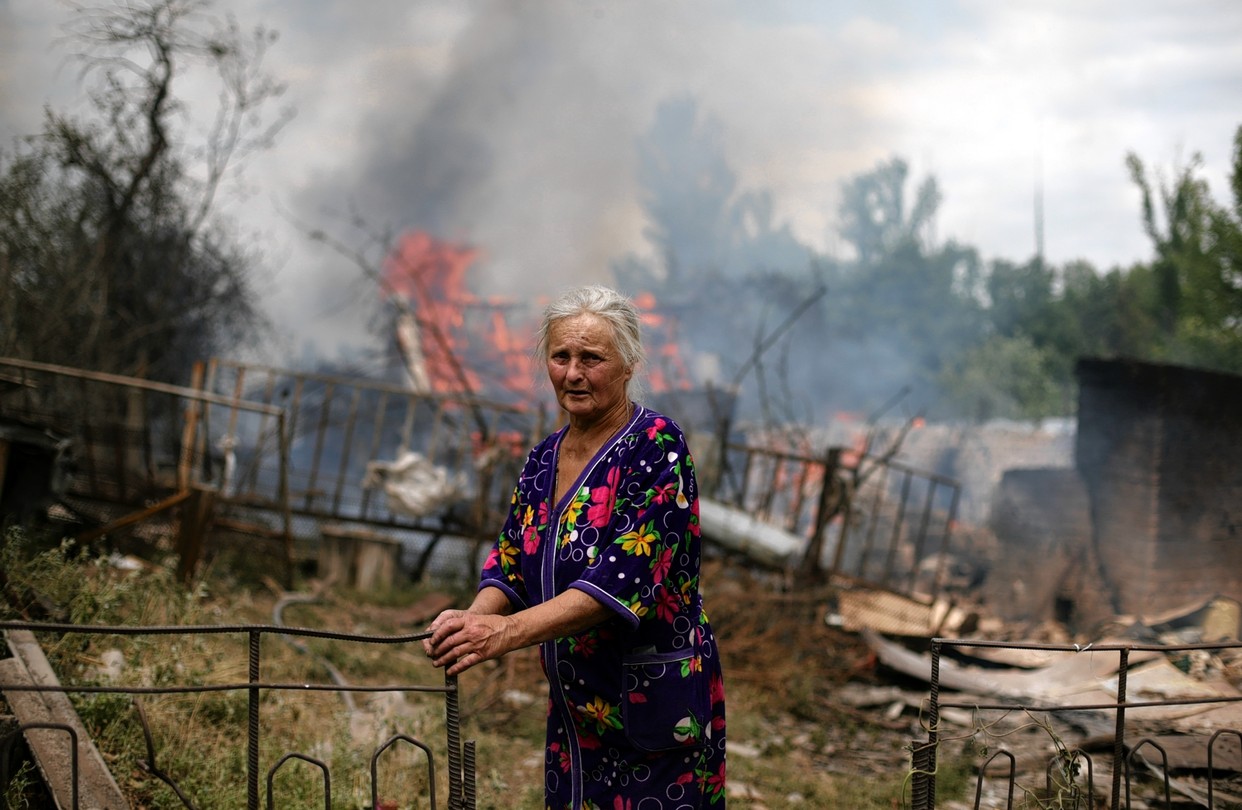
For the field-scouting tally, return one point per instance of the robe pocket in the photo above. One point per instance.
(666, 704)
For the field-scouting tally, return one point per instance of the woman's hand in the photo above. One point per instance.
(460, 639)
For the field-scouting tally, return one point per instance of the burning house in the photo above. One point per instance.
(1147, 520)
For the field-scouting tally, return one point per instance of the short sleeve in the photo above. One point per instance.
(503, 567)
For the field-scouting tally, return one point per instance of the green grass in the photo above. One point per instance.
(200, 739)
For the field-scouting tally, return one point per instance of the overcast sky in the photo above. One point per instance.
(513, 124)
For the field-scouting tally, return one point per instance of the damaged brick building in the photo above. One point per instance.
(1149, 517)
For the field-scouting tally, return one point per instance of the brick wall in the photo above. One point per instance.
(1160, 451)
(1043, 518)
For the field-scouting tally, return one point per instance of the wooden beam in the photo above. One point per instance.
(91, 535)
(96, 787)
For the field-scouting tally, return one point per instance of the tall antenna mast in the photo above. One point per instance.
(1039, 197)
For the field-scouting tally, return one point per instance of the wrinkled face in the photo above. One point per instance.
(585, 368)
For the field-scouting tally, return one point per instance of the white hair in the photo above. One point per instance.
(613, 308)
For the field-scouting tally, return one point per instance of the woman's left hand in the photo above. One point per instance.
(460, 639)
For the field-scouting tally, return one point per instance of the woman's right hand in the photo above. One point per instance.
(461, 639)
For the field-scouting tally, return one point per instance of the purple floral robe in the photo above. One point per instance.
(636, 714)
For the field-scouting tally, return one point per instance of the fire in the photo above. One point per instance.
(457, 342)
(447, 348)
(427, 276)
(667, 371)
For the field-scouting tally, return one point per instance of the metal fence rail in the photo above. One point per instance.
(867, 517)
(1069, 778)
(459, 755)
(274, 453)
(341, 428)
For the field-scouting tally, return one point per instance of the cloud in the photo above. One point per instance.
(514, 125)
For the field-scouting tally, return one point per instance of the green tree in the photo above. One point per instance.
(112, 256)
(904, 309)
(724, 270)
(874, 217)
(1198, 253)
(1005, 377)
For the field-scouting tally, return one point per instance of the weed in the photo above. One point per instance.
(953, 774)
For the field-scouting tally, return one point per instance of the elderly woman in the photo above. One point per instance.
(598, 564)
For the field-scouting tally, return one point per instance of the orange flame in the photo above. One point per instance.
(459, 354)
(666, 371)
(465, 344)
(429, 275)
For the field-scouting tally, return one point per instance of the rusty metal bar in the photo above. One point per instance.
(1164, 770)
(465, 779)
(933, 720)
(327, 778)
(347, 447)
(457, 398)
(1120, 728)
(469, 766)
(377, 432)
(120, 380)
(898, 523)
(74, 770)
(1013, 780)
(431, 767)
(453, 728)
(1120, 707)
(91, 535)
(252, 726)
(150, 765)
(1211, 750)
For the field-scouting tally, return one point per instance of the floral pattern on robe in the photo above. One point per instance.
(636, 713)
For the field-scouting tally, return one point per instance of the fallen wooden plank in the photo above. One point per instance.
(97, 789)
(90, 535)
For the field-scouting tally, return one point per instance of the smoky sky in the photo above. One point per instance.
(515, 125)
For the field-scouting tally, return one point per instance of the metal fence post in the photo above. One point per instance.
(252, 737)
(1119, 733)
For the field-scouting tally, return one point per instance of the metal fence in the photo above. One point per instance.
(279, 454)
(865, 517)
(346, 434)
(458, 756)
(1069, 778)
(128, 438)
